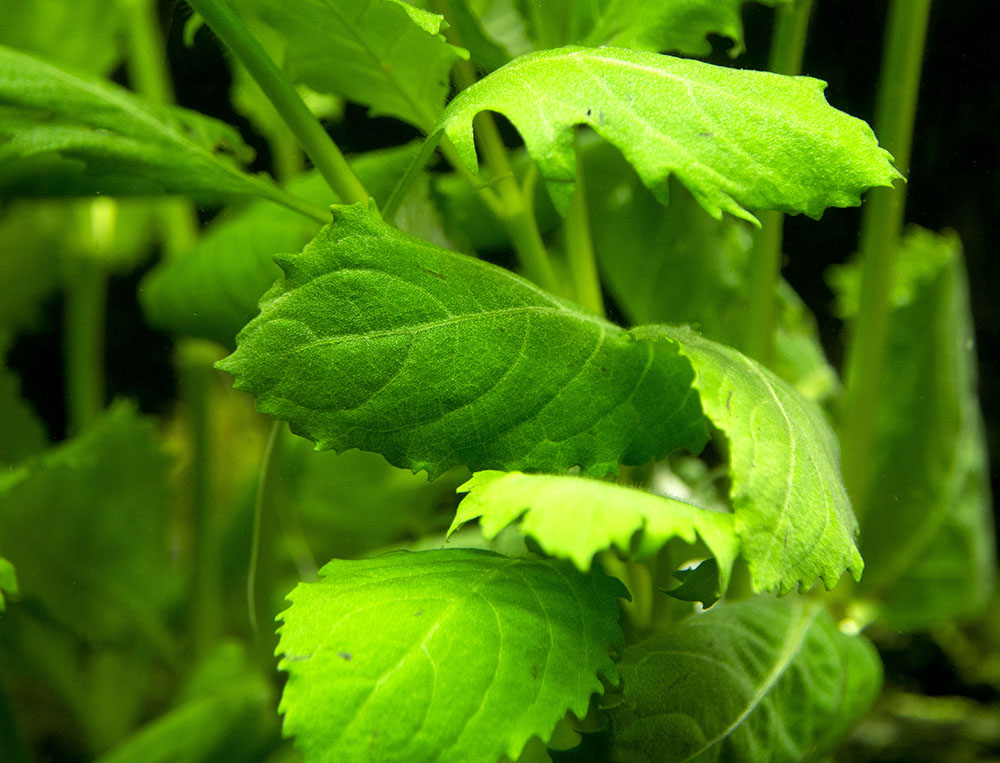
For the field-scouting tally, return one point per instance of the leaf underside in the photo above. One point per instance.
(379, 341)
(738, 140)
(793, 516)
(449, 655)
(574, 517)
(767, 679)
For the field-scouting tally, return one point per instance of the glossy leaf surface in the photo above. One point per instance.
(793, 517)
(738, 140)
(450, 655)
(767, 679)
(574, 517)
(383, 342)
(927, 533)
(386, 54)
(76, 134)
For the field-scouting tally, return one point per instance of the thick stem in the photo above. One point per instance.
(86, 294)
(881, 225)
(580, 247)
(315, 141)
(787, 47)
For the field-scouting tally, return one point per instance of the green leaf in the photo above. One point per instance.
(927, 533)
(226, 712)
(450, 655)
(76, 134)
(574, 517)
(793, 517)
(8, 582)
(678, 265)
(765, 679)
(379, 341)
(385, 54)
(22, 434)
(213, 290)
(85, 525)
(83, 34)
(738, 140)
(681, 26)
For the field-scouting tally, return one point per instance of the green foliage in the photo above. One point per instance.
(927, 528)
(738, 140)
(474, 365)
(102, 569)
(418, 656)
(760, 680)
(574, 518)
(793, 516)
(8, 582)
(75, 134)
(386, 54)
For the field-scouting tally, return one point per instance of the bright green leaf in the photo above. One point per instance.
(76, 134)
(927, 534)
(382, 53)
(765, 679)
(680, 26)
(793, 517)
(85, 525)
(574, 517)
(450, 655)
(8, 582)
(738, 140)
(379, 341)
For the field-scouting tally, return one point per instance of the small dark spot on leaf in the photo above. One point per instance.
(706, 135)
(534, 671)
(346, 656)
(588, 112)
(418, 613)
(432, 273)
(604, 370)
(729, 399)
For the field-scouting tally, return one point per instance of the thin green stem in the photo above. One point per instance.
(315, 141)
(86, 294)
(787, 47)
(881, 226)
(258, 515)
(580, 247)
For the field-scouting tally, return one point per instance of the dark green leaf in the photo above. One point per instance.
(927, 533)
(765, 679)
(76, 134)
(793, 517)
(450, 655)
(575, 518)
(738, 140)
(8, 582)
(678, 265)
(385, 54)
(85, 525)
(21, 434)
(383, 342)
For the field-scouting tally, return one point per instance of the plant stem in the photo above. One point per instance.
(315, 141)
(792, 22)
(580, 247)
(86, 294)
(880, 229)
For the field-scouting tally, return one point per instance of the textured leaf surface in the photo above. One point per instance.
(680, 26)
(451, 655)
(8, 582)
(214, 290)
(678, 265)
(793, 517)
(574, 517)
(738, 140)
(76, 134)
(767, 679)
(927, 534)
(382, 53)
(84, 523)
(383, 342)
